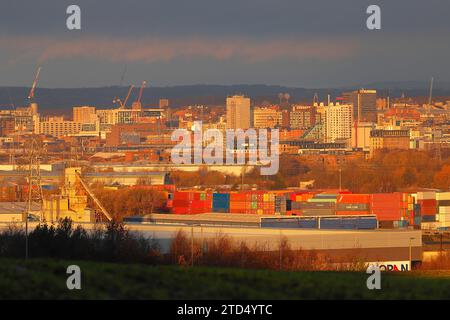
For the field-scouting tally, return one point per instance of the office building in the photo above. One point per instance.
(84, 114)
(364, 104)
(389, 139)
(338, 122)
(267, 118)
(302, 117)
(238, 112)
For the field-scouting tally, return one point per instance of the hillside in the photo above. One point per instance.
(60, 100)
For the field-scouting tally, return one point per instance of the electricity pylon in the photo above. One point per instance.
(35, 196)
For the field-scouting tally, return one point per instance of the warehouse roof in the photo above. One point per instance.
(16, 207)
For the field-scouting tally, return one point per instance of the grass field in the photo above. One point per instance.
(46, 279)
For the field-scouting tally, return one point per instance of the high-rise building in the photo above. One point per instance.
(302, 117)
(163, 103)
(364, 104)
(267, 118)
(84, 114)
(338, 122)
(361, 135)
(238, 112)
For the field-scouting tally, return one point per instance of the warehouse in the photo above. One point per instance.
(14, 211)
(375, 246)
(362, 245)
(128, 178)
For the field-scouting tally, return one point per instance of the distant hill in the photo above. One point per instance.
(60, 101)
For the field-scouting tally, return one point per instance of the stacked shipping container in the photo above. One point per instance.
(353, 204)
(443, 203)
(393, 210)
(191, 202)
(427, 207)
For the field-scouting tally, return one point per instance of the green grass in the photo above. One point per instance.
(46, 279)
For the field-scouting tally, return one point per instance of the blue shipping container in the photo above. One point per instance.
(221, 202)
(289, 223)
(348, 223)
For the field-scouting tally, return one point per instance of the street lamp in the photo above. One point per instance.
(410, 253)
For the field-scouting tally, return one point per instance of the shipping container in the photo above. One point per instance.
(442, 196)
(348, 223)
(318, 212)
(352, 212)
(417, 220)
(428, 218)
(390, 206)
(426, 195)
(312, 205)
(221, 202)
(352, 206)
(400, 224)
(354, 198)
(289, 223)
(191, 202)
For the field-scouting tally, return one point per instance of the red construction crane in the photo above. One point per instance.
(140, 91)
(124, 106)
(33, 87)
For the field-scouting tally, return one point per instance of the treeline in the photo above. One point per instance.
(129, 201)
(111, 243)
(202, 177)
(115, 243)
(387, 171)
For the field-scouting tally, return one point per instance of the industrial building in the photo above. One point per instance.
(344, 245)
(389, 139)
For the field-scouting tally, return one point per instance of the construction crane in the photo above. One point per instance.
(123, 105)
(315, 99)
(128, 96)
(141, 91)
(430, 98)
(137, 105)
(35, 82)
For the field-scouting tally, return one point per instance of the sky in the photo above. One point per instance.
(298, 43)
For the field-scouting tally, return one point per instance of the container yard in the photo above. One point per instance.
(392, 210)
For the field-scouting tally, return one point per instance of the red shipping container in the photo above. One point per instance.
(427, 203)
(353, 198)
(183, 195)
(428, 211)
(237, 197)
(389, 214)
